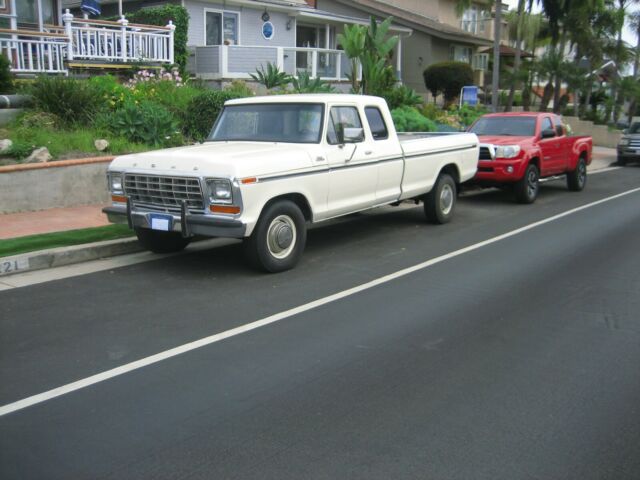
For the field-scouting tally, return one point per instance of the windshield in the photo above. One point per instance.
(513, 126)
(270, 122)
(635, 128)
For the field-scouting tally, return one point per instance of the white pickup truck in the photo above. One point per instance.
(272, 165)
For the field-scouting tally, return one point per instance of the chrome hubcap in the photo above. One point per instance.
(446, 199)
(281, 236)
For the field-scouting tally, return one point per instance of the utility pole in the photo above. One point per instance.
(495, 84)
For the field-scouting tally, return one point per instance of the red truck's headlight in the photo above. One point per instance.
(507, 151)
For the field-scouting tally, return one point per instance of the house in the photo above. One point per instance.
(37, 37)
(438, 33)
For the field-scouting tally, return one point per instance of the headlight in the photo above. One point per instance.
(115, 182)
(624, 142)
(220, 190)
(507, 151)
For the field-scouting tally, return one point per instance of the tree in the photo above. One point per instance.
(352, 41)
(448, 78)
(519, 27)
(370, 48)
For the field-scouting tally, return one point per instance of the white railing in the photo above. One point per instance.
(119, 41)
(238, 61)
(34, 52)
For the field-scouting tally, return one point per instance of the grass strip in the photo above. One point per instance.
(32, 243)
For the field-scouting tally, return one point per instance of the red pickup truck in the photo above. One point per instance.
(518, 149)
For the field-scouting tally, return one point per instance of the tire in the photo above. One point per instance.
(622, 161)
(279, 237)
(577, 179)
(161, 242)
(527, 188)
(440, 202)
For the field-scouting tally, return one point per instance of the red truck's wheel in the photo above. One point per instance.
(526, 189)
(278, 239)
(161, 242)
(440, 202)
(577, 179)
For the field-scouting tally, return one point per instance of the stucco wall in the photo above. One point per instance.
(44, 188)
(250, 25)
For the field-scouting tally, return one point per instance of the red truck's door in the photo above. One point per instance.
(551, 162)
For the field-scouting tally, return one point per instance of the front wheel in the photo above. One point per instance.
(440, 202)
(526, 189)
(161, 242)
(278, 239)
(621, 160)
(577, 179)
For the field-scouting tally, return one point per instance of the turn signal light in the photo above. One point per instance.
(224, 209)
(119, 198)
(249, 180)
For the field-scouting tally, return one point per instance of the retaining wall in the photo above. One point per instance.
(602, 136)
(67, 183)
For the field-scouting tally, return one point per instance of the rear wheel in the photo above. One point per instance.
(526, 189)
(161, 242)
(577, 179)
(278, 240)
(440, 202)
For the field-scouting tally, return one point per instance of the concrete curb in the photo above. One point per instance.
(58, 257)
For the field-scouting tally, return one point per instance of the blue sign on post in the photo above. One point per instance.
(469, 95)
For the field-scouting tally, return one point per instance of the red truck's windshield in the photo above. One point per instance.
(511, 126)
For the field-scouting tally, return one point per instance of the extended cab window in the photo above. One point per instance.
(339, 119)
(376, 123)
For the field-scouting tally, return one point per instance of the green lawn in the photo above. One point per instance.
(15, 246)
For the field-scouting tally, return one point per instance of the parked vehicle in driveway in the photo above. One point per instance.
(272, 165)
(519, 149)
(629, 145)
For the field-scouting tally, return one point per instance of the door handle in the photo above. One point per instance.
(368, 152)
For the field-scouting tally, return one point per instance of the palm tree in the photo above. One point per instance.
(519, 20)
(352, 41)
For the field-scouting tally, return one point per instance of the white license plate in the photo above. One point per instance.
(161, 222)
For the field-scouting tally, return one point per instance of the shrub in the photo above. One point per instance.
(409, 119)
(432, 112)
(145, 122)
(447, 78)
(305, 84)
(402, 96)
(203, 111)
(113, 94)
(467, 114)
(160, 16)
(73, 101)
(35, 119)
(271, 77)
(6, 78)
(20, 149)
(239, 88)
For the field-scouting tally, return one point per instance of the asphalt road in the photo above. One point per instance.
(517, 359)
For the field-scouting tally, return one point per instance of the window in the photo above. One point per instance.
(221, 28)
(515, 126)
(27, 11)
(339, 119)
(473, 20)
(480, 61)
(460, 53)
(376, 122)
(270, 122)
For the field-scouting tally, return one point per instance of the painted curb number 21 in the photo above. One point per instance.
(12, 266)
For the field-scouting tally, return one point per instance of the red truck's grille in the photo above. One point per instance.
(485, 153)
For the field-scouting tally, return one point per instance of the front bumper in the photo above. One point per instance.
(498, 171)
(186, 223)
(629, 153)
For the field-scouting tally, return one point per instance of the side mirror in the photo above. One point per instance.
(353, 135)
(548, 133)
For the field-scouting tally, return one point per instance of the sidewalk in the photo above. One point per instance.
(61, 219)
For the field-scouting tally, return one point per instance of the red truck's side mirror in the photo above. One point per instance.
(548, 133)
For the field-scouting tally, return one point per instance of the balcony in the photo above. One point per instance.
(237, 61)
(83, 42)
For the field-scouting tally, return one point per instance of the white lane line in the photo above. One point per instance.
(187, 347)
(602, 170)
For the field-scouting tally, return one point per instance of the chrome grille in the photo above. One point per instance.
(164, 193)
(634, 143)
(485, 153)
